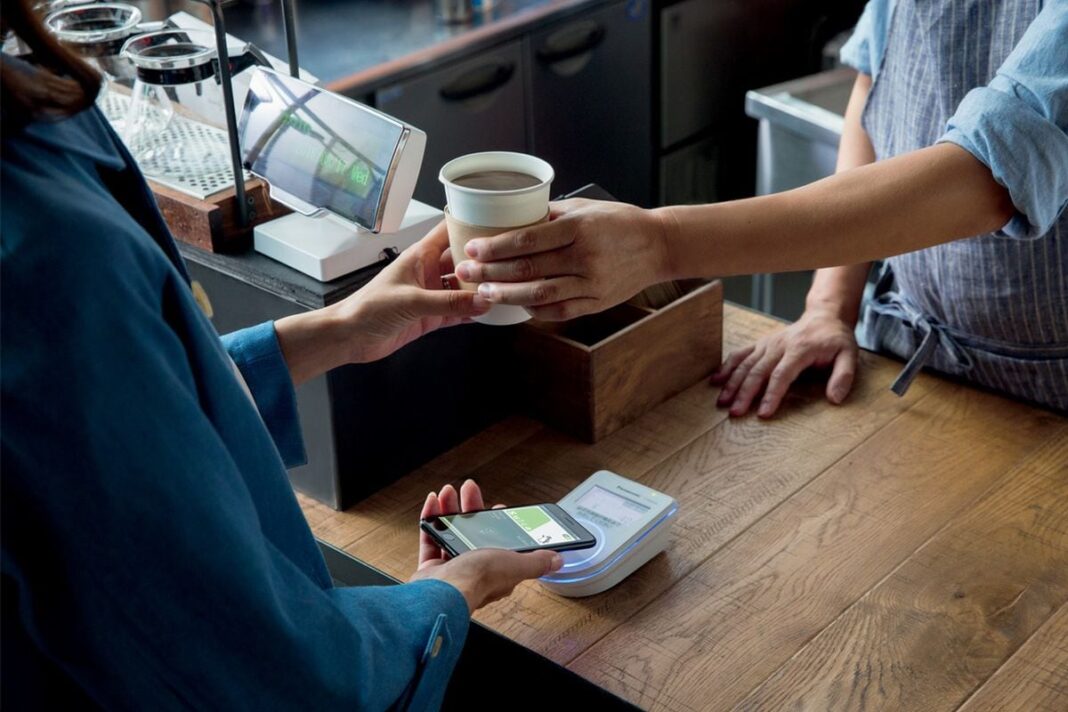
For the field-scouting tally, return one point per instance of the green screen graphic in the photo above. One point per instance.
(530, 518)
(519, 528)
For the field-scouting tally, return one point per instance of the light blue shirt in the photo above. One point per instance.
(1017, 125)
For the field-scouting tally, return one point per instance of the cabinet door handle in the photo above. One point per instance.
(482, 80)
(570, 42)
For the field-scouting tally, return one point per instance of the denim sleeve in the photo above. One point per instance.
(1018, 124)
(258, 356)
(864, 50)
(426, 601)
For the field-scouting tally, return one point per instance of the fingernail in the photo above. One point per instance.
(463, 270)
(765, 409)
(556, 564)
(838, 394)
(487, 290)
(471, 249)
(481, 303)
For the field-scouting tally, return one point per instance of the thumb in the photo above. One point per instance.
(533, 564)
(841, 380)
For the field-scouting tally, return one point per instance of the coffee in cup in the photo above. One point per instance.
(490, 193)
(496, 180)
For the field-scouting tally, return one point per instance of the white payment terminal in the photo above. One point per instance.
(632, 524)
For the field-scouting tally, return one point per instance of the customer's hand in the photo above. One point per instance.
(482, 576)
(407, 300)
(403, 302)
(591, 255)
(818, 339)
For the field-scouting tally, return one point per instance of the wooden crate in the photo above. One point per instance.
(591, 376)
(212, 224)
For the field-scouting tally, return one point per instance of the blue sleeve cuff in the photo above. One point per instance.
(1025, 151)
(443, 646)
(425, 623)
(864, 49)
(258, 355)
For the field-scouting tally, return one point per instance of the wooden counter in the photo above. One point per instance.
(891, 553)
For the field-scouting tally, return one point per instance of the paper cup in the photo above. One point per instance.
(476, 212)
(459, 235)
(497, 208)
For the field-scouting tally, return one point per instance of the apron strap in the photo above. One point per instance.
(933, 333)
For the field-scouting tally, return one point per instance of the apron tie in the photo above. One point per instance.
(932, 332)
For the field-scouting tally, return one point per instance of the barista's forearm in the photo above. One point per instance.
(839, 290)
(923, 198)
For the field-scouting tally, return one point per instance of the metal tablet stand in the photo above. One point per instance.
(244, 211)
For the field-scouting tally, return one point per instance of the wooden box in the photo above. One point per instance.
(591, 376)
(212, 224)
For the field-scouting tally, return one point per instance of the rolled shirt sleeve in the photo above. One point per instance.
(865, 48)
(1018, 124)
(258, 356)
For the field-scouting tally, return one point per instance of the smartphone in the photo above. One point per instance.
(528, 528)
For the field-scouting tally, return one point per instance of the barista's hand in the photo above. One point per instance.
(818, 339)
(590, 256)
(482, 576)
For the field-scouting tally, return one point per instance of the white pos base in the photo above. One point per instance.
(590, 580)
(327, 247)
(631, 522)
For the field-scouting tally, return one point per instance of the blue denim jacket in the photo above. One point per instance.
(154, 555)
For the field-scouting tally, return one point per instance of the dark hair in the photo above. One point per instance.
(61, 84)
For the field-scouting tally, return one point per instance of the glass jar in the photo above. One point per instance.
(97, 32)
(177, 92)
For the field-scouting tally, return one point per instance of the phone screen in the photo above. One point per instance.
(513, 528)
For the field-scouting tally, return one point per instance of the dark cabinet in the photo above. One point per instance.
(476, 104)
(701, 47)
(589, 92)
(575, 93)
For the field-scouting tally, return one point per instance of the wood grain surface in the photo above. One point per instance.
(1035, 679)
(889, 553)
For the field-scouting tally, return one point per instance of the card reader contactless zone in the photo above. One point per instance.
(632, 524)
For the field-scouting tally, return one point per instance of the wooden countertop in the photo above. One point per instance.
(891, 553)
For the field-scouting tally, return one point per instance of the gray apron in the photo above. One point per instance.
(988, 309)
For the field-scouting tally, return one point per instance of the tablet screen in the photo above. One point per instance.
(321, 148)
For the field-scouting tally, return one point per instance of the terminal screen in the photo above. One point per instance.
(608, 508)
(318, 147)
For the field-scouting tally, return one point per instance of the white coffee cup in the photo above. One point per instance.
(503, 209)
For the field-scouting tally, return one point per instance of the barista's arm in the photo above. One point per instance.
(823, 336)
(595, 254)
(839, 289)
(916, 200)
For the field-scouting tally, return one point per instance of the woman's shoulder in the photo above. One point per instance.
(59, 218)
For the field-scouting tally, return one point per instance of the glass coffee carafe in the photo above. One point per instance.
(97, 32)
(174, 124)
